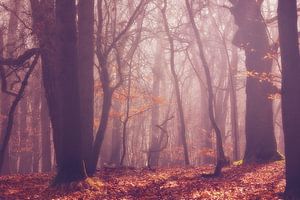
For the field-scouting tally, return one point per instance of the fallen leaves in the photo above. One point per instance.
(237, 182)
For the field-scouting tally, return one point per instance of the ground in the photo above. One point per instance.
(260, 181)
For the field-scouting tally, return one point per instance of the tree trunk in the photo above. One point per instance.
(155, 132)
(252, 37)
(221, 159)
(46, 131)
(232, 70)
(86, 71)
(4, 111)
(6, 99)
(290, 59)
(25, 142)
(35, 122)
(182, 129)
(116, 136)
(106, 105)
(71, 166)
(43, 17)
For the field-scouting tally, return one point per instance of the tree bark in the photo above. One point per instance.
(155, 132)
(290, 59)
(46, 136)
(71, 166)
(115, 157)
(6, 99)
(4, 111)
(43, 18)
(86, 71)
(25, 143)
(35, 122)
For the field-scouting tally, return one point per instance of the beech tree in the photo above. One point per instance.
(252, 37)
(182, 124)
(71, 166)
(221, 160)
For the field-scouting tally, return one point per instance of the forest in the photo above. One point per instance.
(149, 99)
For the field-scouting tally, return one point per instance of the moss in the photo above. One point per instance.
(260, 159)
(87, 184)
(238, 162)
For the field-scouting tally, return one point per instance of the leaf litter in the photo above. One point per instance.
(255, 181)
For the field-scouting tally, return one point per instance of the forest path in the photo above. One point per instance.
(259, 181)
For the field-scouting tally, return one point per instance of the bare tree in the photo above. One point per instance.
(182, 130)
(253, 38)
(221, 159)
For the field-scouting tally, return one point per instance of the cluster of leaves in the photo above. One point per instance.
(260, 181)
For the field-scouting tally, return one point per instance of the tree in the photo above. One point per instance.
(182, 124)
(221, 159)
(25, 154)
(290, 59)
(154, 150)
(46, 135)
(17, 63)
(6, 98)
(253, 38)
(43, 18)
(116, 133)
(71, 166)
(104, 47)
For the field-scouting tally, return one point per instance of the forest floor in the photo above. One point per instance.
(260, 181)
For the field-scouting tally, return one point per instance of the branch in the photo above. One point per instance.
(4, 83)
(275, 18)
(16, 62)
(13, 107)
(165, 132)
(16, 15)
(128, 25)
(19, 60)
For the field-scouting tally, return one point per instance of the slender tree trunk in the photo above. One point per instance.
(221, 159)
(6, 99)
(155, 132)
(86, 71)
(25, 142)
(182, 129)
(124, 130)
(46, 131)
(106, 105)
(4, 111)
(11, 114)
(205, 124)
(35, 123)
(290, 59)
(116, 139)
(233, 105)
